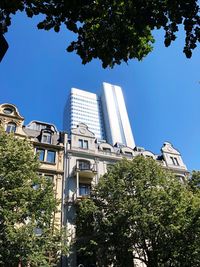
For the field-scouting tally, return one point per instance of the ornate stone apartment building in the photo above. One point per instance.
(75, 161)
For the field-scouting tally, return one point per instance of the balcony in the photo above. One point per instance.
(85, 169)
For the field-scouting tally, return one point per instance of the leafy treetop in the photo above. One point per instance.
(113, 31)
(28, 233)
(139, 211)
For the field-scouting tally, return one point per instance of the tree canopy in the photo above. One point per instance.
(113, 31)
(139, 212)
(27, 206)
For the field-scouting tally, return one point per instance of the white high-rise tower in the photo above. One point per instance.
(106, 116)
(117, 125)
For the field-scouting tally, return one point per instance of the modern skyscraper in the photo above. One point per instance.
(105, 115)
(117, 125)
(85, 107)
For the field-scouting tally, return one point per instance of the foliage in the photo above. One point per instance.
(139, 211)
(27, 205)
(194, 181)
(113, 31)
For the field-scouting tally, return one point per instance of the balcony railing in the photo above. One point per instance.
(85, 166)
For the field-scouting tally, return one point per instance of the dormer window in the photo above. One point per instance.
(11, 127)
(46, 137)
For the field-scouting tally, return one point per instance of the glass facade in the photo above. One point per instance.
(84, 107)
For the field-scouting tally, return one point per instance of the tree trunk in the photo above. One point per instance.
(20, 263)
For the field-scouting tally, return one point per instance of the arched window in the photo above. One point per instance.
(11, 127)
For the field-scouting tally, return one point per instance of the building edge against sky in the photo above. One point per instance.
(105, 115)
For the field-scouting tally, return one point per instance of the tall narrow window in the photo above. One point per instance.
(51, 156)
(80, 143)
(11, 127)
(174, 161)
(83, 143)
(40, 153)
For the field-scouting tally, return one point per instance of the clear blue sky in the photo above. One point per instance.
(162, 92)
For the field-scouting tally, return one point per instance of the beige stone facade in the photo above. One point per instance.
(47, 141)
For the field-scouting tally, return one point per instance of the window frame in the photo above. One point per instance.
(47, 154)
(83, 144)
(86, 188)
(11, 127)
(84, 164)
(38, 150)
(46, 135)
(175, 161)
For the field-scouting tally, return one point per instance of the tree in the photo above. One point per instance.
(194, 181)
(139, 211)
(113, 31)
(27, 206)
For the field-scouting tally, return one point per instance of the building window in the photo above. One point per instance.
(8, 110)
(83, 165)
(175, 161)
(83, 143)
(41, 153)
(49, 177)
(128, 153)
(46, 138)
(106, 149)
(11, 127)
(84, 189)
(51, 156)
